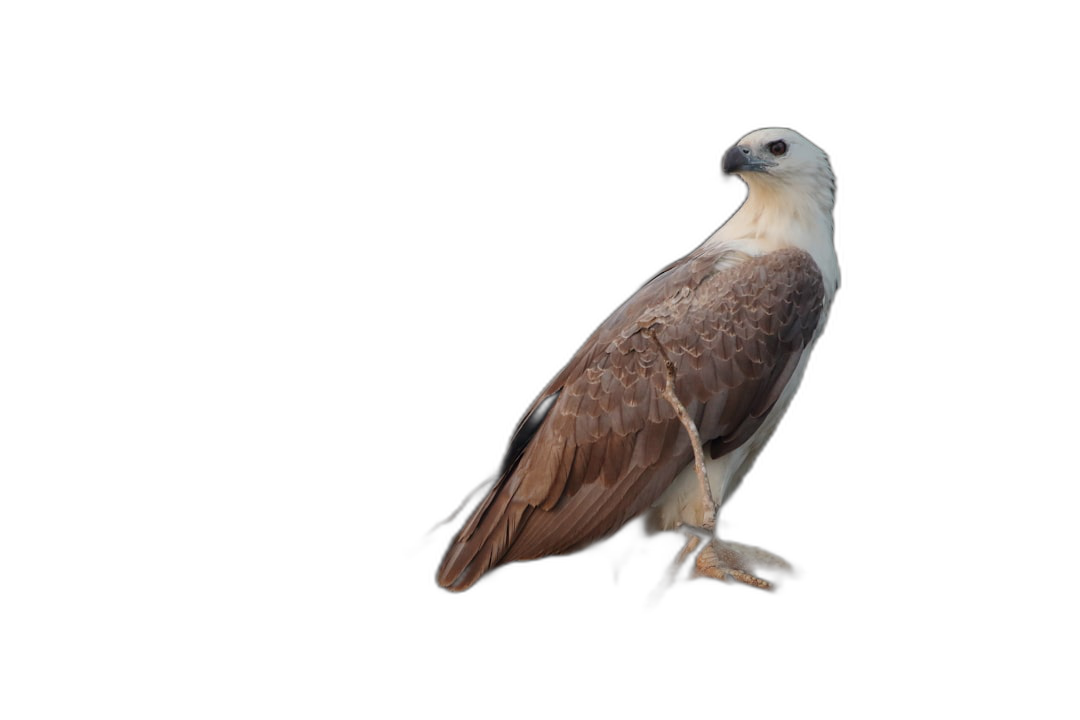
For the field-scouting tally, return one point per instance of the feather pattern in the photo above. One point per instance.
(735, 320)
(600, 444)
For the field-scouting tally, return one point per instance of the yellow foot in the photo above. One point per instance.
(721, 560)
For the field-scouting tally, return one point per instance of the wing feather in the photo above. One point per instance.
(600, 444)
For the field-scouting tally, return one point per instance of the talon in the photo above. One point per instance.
(723, 560)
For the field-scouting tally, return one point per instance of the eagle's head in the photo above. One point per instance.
(780, 158)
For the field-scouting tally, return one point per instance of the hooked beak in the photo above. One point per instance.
(738, 159)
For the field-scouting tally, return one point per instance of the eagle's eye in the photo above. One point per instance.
(778, 147)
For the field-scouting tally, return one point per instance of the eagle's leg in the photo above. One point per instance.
(719, 559)
(699, 537)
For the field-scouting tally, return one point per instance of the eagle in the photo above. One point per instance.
(665, 406)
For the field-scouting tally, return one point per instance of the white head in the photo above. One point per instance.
(779, 159)
(790, 204)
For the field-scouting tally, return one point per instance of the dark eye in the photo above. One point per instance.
(779, 147)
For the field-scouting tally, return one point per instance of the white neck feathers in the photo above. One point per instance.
(778, 215)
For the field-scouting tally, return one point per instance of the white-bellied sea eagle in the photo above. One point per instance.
(666, 405)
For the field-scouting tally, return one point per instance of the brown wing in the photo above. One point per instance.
(600, 444)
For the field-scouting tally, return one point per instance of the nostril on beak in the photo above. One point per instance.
(745, 151)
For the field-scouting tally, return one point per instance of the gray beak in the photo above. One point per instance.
(738, 159)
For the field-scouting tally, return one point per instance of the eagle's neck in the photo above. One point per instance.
(784, 215)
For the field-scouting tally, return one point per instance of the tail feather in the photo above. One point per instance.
(483, 542)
